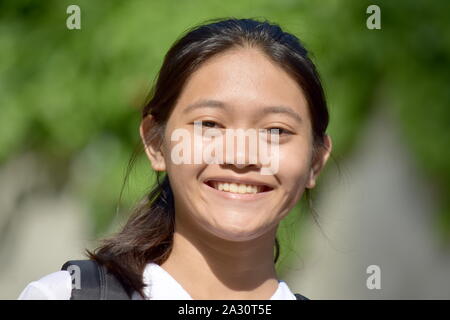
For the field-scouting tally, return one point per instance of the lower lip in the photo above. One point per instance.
(238, 196)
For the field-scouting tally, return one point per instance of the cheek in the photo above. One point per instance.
(180, 174)
(294, 167)
(183, 182)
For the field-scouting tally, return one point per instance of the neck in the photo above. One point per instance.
(209, 267)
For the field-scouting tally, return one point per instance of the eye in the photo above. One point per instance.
(279, 131)
(209, 124)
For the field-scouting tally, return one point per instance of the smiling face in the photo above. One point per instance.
(240, 88)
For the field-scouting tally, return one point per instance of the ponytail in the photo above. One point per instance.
(146, 237)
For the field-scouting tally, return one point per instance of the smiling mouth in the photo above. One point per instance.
(237, 188)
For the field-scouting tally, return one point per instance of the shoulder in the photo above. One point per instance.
(54, 286)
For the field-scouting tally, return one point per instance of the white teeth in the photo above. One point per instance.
(236, 187)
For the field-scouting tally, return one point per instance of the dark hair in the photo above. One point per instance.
(147, 235)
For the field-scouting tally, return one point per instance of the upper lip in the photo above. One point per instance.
(240, 180)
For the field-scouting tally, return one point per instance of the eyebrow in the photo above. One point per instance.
(221, 105)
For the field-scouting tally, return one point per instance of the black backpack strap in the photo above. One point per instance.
(92, 281)
(298, 296)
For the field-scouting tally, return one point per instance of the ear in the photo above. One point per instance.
(152, 143)
(319, 162)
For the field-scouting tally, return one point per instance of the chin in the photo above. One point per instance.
(239, 233)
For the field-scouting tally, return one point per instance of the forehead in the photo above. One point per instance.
(245, 79)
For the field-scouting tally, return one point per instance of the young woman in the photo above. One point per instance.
(208, 229)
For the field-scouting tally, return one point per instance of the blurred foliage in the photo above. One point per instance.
(73, 96)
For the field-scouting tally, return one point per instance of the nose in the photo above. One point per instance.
(241, 151)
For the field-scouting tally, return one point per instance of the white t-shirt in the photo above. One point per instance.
(160, 286)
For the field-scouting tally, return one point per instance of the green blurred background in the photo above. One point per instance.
(70, 99)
